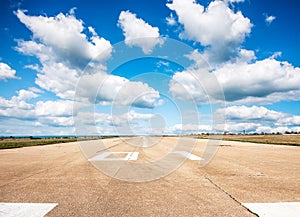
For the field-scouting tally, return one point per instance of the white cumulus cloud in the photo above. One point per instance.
(58, 108)
(6, 72)
(189, 128)
(269, 19)
(233, 1)
(63, 49)
(267, 80)
(252, 113)
(17, 106)
(259, 119)
(64, 34)
(171, 21)
(243, 81)
(216, 26)
(139, 33)
(101, 87)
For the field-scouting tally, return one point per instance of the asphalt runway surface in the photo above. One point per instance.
(239, 173)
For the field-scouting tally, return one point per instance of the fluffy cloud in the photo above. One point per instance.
(136, 123)
(139, 33)
(42, 113)
(243, 81)
(252, 113)
(59, 114)
(64, 34)
(128, 118)
(62, 80)
(61, 46)
(137, 94)
(258, 119)
(233, 1)
(6, 72)
(189, 128)
(241, 127)
(264, 81)
(196, 84)
(171, 21)
(59, 108)
(186, 85)
(254, 119)
(17, 127)
(130, 122)
(17, 106)
(248, 56)
(269, 19)
(59, 79)
(104, 88)
(55, 118)
(216, 26)
(56, 121)
(18, 101)
(62, 49)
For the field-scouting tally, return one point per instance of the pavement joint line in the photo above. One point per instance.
(179, 183)
(110, 189)
(104, 149)
(229, 195)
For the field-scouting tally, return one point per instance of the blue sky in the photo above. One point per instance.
(149, 67)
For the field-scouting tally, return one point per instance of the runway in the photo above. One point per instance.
(239, 174)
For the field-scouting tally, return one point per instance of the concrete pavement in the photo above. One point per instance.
(239, 173)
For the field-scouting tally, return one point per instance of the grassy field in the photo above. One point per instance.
(289, 139)
(266, 139)
(6, 143)
(24, 142)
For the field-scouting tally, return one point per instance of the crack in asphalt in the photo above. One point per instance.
(229, 195)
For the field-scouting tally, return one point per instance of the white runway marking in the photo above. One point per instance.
(105, 156)
(284, 209)
(188, 155)
(25, 209)
(132, 156)
(144, 143)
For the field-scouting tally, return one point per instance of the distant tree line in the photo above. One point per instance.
(245, 133)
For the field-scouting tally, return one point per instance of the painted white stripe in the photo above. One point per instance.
(188, 155)
(282, 209)
(132, 156)
(25, 209)
(144, 143)
(105, 156)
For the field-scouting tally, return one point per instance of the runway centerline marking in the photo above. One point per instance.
(144, 143)
(188, 155)
(132, 156)
(105, 156)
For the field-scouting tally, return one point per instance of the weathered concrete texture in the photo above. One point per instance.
(239, 173)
